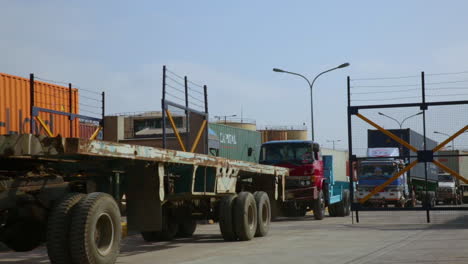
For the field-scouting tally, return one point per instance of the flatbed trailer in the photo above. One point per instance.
(70, 193)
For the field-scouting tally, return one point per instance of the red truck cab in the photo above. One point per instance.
(306, 188)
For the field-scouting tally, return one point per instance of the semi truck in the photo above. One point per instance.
(67, 192)
(416, 179)
(374, 172)
(311, 183)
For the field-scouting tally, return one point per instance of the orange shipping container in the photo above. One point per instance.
(15, 103)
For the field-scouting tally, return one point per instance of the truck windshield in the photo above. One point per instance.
(370, 172)
(445, 178)
(297, 153)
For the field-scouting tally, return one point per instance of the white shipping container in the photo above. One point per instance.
(340, 161)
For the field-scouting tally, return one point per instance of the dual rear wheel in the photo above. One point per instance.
(244, 216)
(84, 229)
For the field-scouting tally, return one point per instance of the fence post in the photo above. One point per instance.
(70, 104)
(103, 113)
(163, 106)
(424, 108)
(31, 103)
(187, 123)
(205, 91)
(350, 152)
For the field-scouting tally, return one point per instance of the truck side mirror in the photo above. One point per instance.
(249, 152)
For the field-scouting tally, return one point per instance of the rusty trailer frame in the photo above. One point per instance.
(149, 177)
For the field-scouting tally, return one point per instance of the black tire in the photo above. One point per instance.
(319, 206)
(263, 213)
(187, 228)
(169, 230)
(226, 207)
(24, 235)
(150, 236)
(326, 193)
(95, 232)
(245, 216)
(332, 210)
(347, 202)
(58, 229)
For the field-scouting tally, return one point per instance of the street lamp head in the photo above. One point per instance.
(436, 132)
(277, 70)
(344, 65)
(380, 113)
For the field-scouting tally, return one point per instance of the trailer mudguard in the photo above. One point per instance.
(145, 193)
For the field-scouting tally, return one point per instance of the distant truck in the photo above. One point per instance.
(311, 184)
(374, 172)
(457, 160)
(449, 190)
(416, 177)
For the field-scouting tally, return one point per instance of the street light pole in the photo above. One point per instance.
(398, 122)
(225, 117)
(311, 84)
(333, 141)
(453, 140)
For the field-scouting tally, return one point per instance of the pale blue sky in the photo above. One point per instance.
(120, 47)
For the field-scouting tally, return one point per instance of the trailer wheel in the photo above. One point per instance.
(23, 235)
(263, 213)
(95, 229)
(187, 228)
(58, 229)
(168, 231)
(150, 236)
(319, 206)
(226, 223)
(245, 216)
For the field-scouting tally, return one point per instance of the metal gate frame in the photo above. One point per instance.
(423, 156)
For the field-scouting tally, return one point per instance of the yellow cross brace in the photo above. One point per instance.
(441, 145)
(176, 132)
(46, 128)
(452, 172)
(96, 133)
(197, 139)
(390, 134)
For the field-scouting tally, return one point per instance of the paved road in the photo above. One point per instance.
(383, 237)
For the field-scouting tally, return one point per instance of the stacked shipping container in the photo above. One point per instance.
(15, 106)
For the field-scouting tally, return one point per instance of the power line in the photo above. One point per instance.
(446, 73)
(386, 78)
(175, 96)
(82, 110)
(173, 73)
(89, 98)
(174, 80)
(446, 94)
(382, 99)
(175, 88)
(377, 86)
(86, 90)
(52, 81)
(196, 91)
(387, 91)
(98, 107)
(196, 84)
